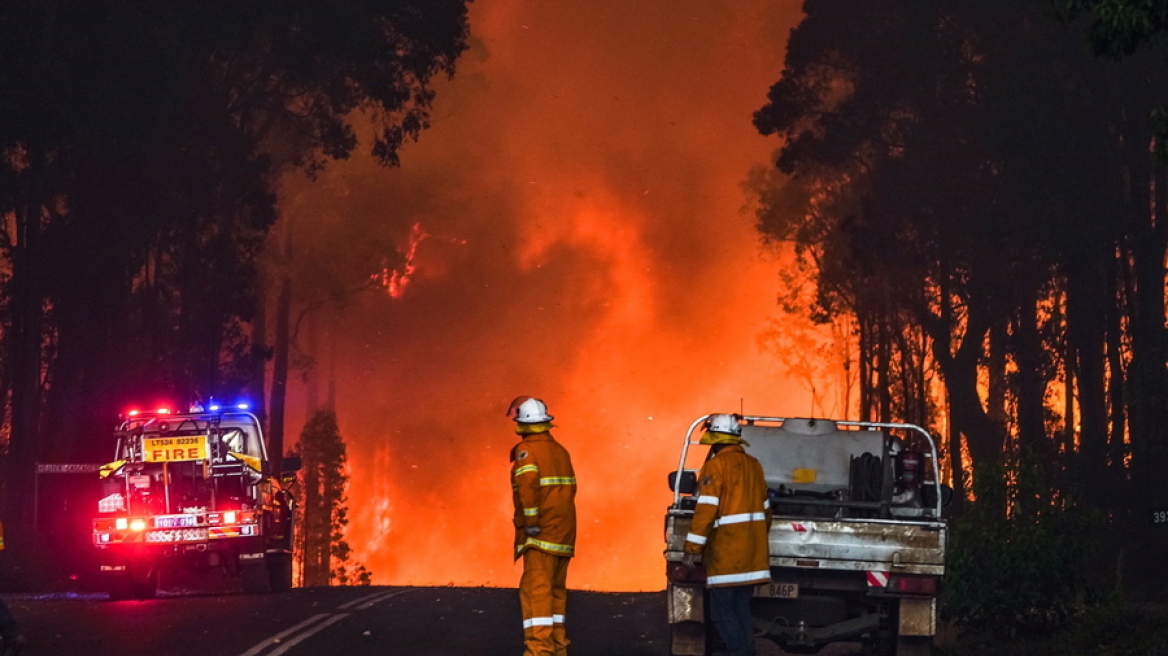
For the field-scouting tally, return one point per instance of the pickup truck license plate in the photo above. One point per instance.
(778, 590)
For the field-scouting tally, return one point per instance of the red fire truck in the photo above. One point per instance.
(193, 491)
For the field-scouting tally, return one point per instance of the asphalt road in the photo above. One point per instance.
(349, 621)
(356, 621)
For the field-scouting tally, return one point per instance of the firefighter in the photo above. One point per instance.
(9, 632)
(729, 530)
(543, 487)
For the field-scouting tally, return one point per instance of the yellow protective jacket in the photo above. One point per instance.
(731, 520)
(543, 486)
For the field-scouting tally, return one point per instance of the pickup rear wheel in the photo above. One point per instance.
(914, 646)
(688, 639)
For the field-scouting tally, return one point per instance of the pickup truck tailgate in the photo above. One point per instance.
(910, 547)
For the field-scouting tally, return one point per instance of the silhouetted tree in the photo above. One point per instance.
(140, 142)
(325, 556)
(957, 184)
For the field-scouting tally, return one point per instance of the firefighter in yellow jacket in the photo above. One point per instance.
(729, 530)
(544, 491)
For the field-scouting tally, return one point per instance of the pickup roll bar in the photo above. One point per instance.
(870, 425)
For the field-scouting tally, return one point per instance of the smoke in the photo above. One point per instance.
(581, 196)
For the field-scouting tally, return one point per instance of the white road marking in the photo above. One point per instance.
(268, 642)
(317, 623)
(382, 598)
(288, 644)
(354, 602)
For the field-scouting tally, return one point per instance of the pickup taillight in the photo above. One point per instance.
(913, 584)
(679, 573)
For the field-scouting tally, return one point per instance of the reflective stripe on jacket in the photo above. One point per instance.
(732, 520)
(544, 491)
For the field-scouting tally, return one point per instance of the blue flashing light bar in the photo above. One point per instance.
(211, 406)
(215, 406)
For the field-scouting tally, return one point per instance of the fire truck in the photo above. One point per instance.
(193, 491)
(857, 540)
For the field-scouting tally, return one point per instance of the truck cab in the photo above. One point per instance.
(857, 541)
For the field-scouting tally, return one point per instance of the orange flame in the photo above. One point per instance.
(396, 279)
(609, 271)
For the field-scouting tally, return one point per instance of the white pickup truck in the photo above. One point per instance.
(857, 544)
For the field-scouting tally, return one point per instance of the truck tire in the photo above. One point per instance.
(914, 646)
(146, 585)
(689, 639)
(133, 584)
(280, 571)
(256, 577)
(118, 587)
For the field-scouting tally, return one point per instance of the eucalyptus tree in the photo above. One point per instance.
(1131, 34)
(959, 183)
(141, 141)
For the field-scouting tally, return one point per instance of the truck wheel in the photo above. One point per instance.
(256, 577)
(145, 584)
(914, 646)
(280, 571)
(134, 584)
(688, 639)
(118, 587)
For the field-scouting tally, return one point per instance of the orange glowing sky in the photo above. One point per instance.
(583, 185)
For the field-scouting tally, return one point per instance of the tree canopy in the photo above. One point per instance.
(983, 183)
(975, 189)
(141, 142)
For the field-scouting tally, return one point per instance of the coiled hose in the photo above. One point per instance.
(866, 478)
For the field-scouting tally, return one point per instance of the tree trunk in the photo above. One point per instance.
(1117, 447)
(1086, 294)
(884, 364)
(997, 389)
(865, 352)
(280, 374)
(1149, 380)
(959, 370)
(257, 386)
(24, 349)
(1031, 388)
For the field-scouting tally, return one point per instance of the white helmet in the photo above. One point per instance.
(725, 424)
(529, 411)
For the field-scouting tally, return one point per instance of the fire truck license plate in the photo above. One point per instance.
(174, 449)
(779, 590)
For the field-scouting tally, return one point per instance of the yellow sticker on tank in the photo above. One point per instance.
(804, 475)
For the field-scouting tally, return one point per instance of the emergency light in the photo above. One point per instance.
(212, 406)
(238, 405)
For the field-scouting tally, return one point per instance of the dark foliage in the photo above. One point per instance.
(139, 142)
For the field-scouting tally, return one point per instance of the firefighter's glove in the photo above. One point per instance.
(531, 530)
(690, 560)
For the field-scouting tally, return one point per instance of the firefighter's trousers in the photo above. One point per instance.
(543, 596)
